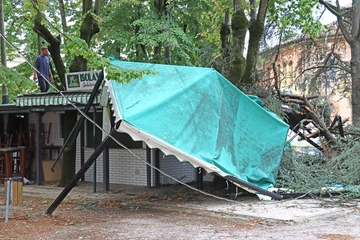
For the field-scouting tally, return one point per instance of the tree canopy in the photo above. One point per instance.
(223, 34)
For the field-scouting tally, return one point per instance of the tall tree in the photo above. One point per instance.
(351, 31)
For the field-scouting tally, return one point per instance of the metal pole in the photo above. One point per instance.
(94, 146)
(5, 96)
(200, 178)
(8, 198)
(72, 138)
(148, 168)
(82, 149)
(38, 153)
(75, 131)
(251, 186)
(157, 165)
(106, 182)
(78, 175)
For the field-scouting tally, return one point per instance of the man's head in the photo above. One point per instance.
(44, 51)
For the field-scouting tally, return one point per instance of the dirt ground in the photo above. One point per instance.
(129, 212)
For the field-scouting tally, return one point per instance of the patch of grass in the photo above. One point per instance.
(87, 205)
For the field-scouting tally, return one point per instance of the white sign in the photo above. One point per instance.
(81, 81)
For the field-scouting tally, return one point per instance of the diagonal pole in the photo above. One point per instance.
(75, 131)
(80, 173)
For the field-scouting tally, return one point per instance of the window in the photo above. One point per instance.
(123, 138)
(330, 73)
(330, 77)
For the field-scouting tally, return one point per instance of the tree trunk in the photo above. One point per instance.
(225, 44)
(355, 76)
(256, 30)
(141, 53)
(160, 6)
(239, 26)
(54, 48)
(355, 61)
(353, 39)
(63, 16)
(320, 122)
(69, 157)
(89, 27)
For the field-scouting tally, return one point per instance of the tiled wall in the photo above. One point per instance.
(124, 167)
(182, 171)
(54, 119)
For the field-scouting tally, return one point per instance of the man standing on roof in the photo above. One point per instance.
(42, 66)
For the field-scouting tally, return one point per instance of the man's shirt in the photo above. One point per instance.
(42, 64)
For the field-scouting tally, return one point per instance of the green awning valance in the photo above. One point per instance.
(53, 99)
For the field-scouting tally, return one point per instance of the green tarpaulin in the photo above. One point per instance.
(198, 116)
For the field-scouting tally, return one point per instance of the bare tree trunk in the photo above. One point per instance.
(160, 6)
(355, 62)
(239, 26)
(353, 39)
(140, 48)
(323, 129)
(89, 27)
(256, 30)
(355, 76)
(5, 95)
(225, 44)
(62, 16)
(54, 47)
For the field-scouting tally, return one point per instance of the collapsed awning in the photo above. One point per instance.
(198, 116)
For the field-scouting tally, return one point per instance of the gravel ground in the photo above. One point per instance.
(129, 212)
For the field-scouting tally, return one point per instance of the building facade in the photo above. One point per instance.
(306, 66)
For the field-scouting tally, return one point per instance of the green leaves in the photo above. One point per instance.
(16, 83)
(295, 13)
(121, 75)
(78, 47)
(141, 32)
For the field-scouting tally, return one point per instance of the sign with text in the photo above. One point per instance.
(81, 81)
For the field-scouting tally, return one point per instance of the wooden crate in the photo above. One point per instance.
(50, 176)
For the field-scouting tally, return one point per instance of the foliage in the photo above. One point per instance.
(176, 35)
(185, 32)
(76, 46)
(267, 96)
(297, 14)
(16, 83)
(122, 75)
(302, 172)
